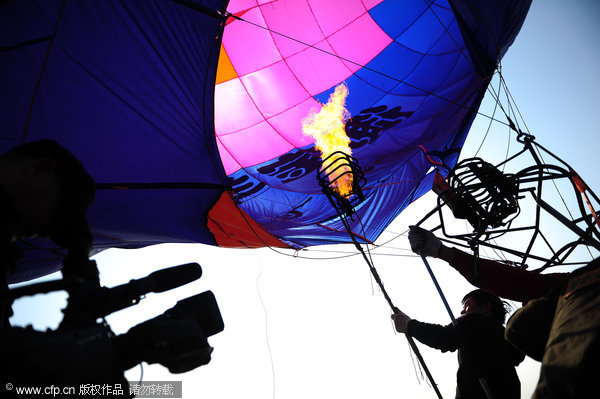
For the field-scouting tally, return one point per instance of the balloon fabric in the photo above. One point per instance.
(188, 114)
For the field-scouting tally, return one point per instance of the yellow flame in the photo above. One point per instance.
(327, 128)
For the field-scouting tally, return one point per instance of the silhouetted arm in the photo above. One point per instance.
(499, 278)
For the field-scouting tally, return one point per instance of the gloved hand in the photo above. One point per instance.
(400, 321)
(424, 242)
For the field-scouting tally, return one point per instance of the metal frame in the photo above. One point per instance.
(527, 182)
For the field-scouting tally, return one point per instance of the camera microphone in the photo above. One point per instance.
(105, 301)
(165, 279)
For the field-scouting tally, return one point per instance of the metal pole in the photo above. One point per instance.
(568, 223)
(439, 289)
(482, 380)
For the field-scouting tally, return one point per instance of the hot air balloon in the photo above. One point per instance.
(188, 114)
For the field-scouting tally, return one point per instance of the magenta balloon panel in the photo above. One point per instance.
(415, 84)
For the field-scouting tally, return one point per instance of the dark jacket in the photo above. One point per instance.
(482, 352)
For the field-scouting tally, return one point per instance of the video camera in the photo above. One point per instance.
(83, 349)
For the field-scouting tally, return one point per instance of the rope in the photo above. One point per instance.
(489, 124)
(394, 309)
(262, 302)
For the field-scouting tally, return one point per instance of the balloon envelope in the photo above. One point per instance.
(191, 123)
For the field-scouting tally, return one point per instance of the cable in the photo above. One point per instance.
(141, 374)
(392, 239)
(513, 100)
(357, 253)
(266, 331)
(489, 124)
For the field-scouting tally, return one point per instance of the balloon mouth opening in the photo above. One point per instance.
(342, 180)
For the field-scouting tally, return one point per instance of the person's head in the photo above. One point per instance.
(480, 301)
(45, 191)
